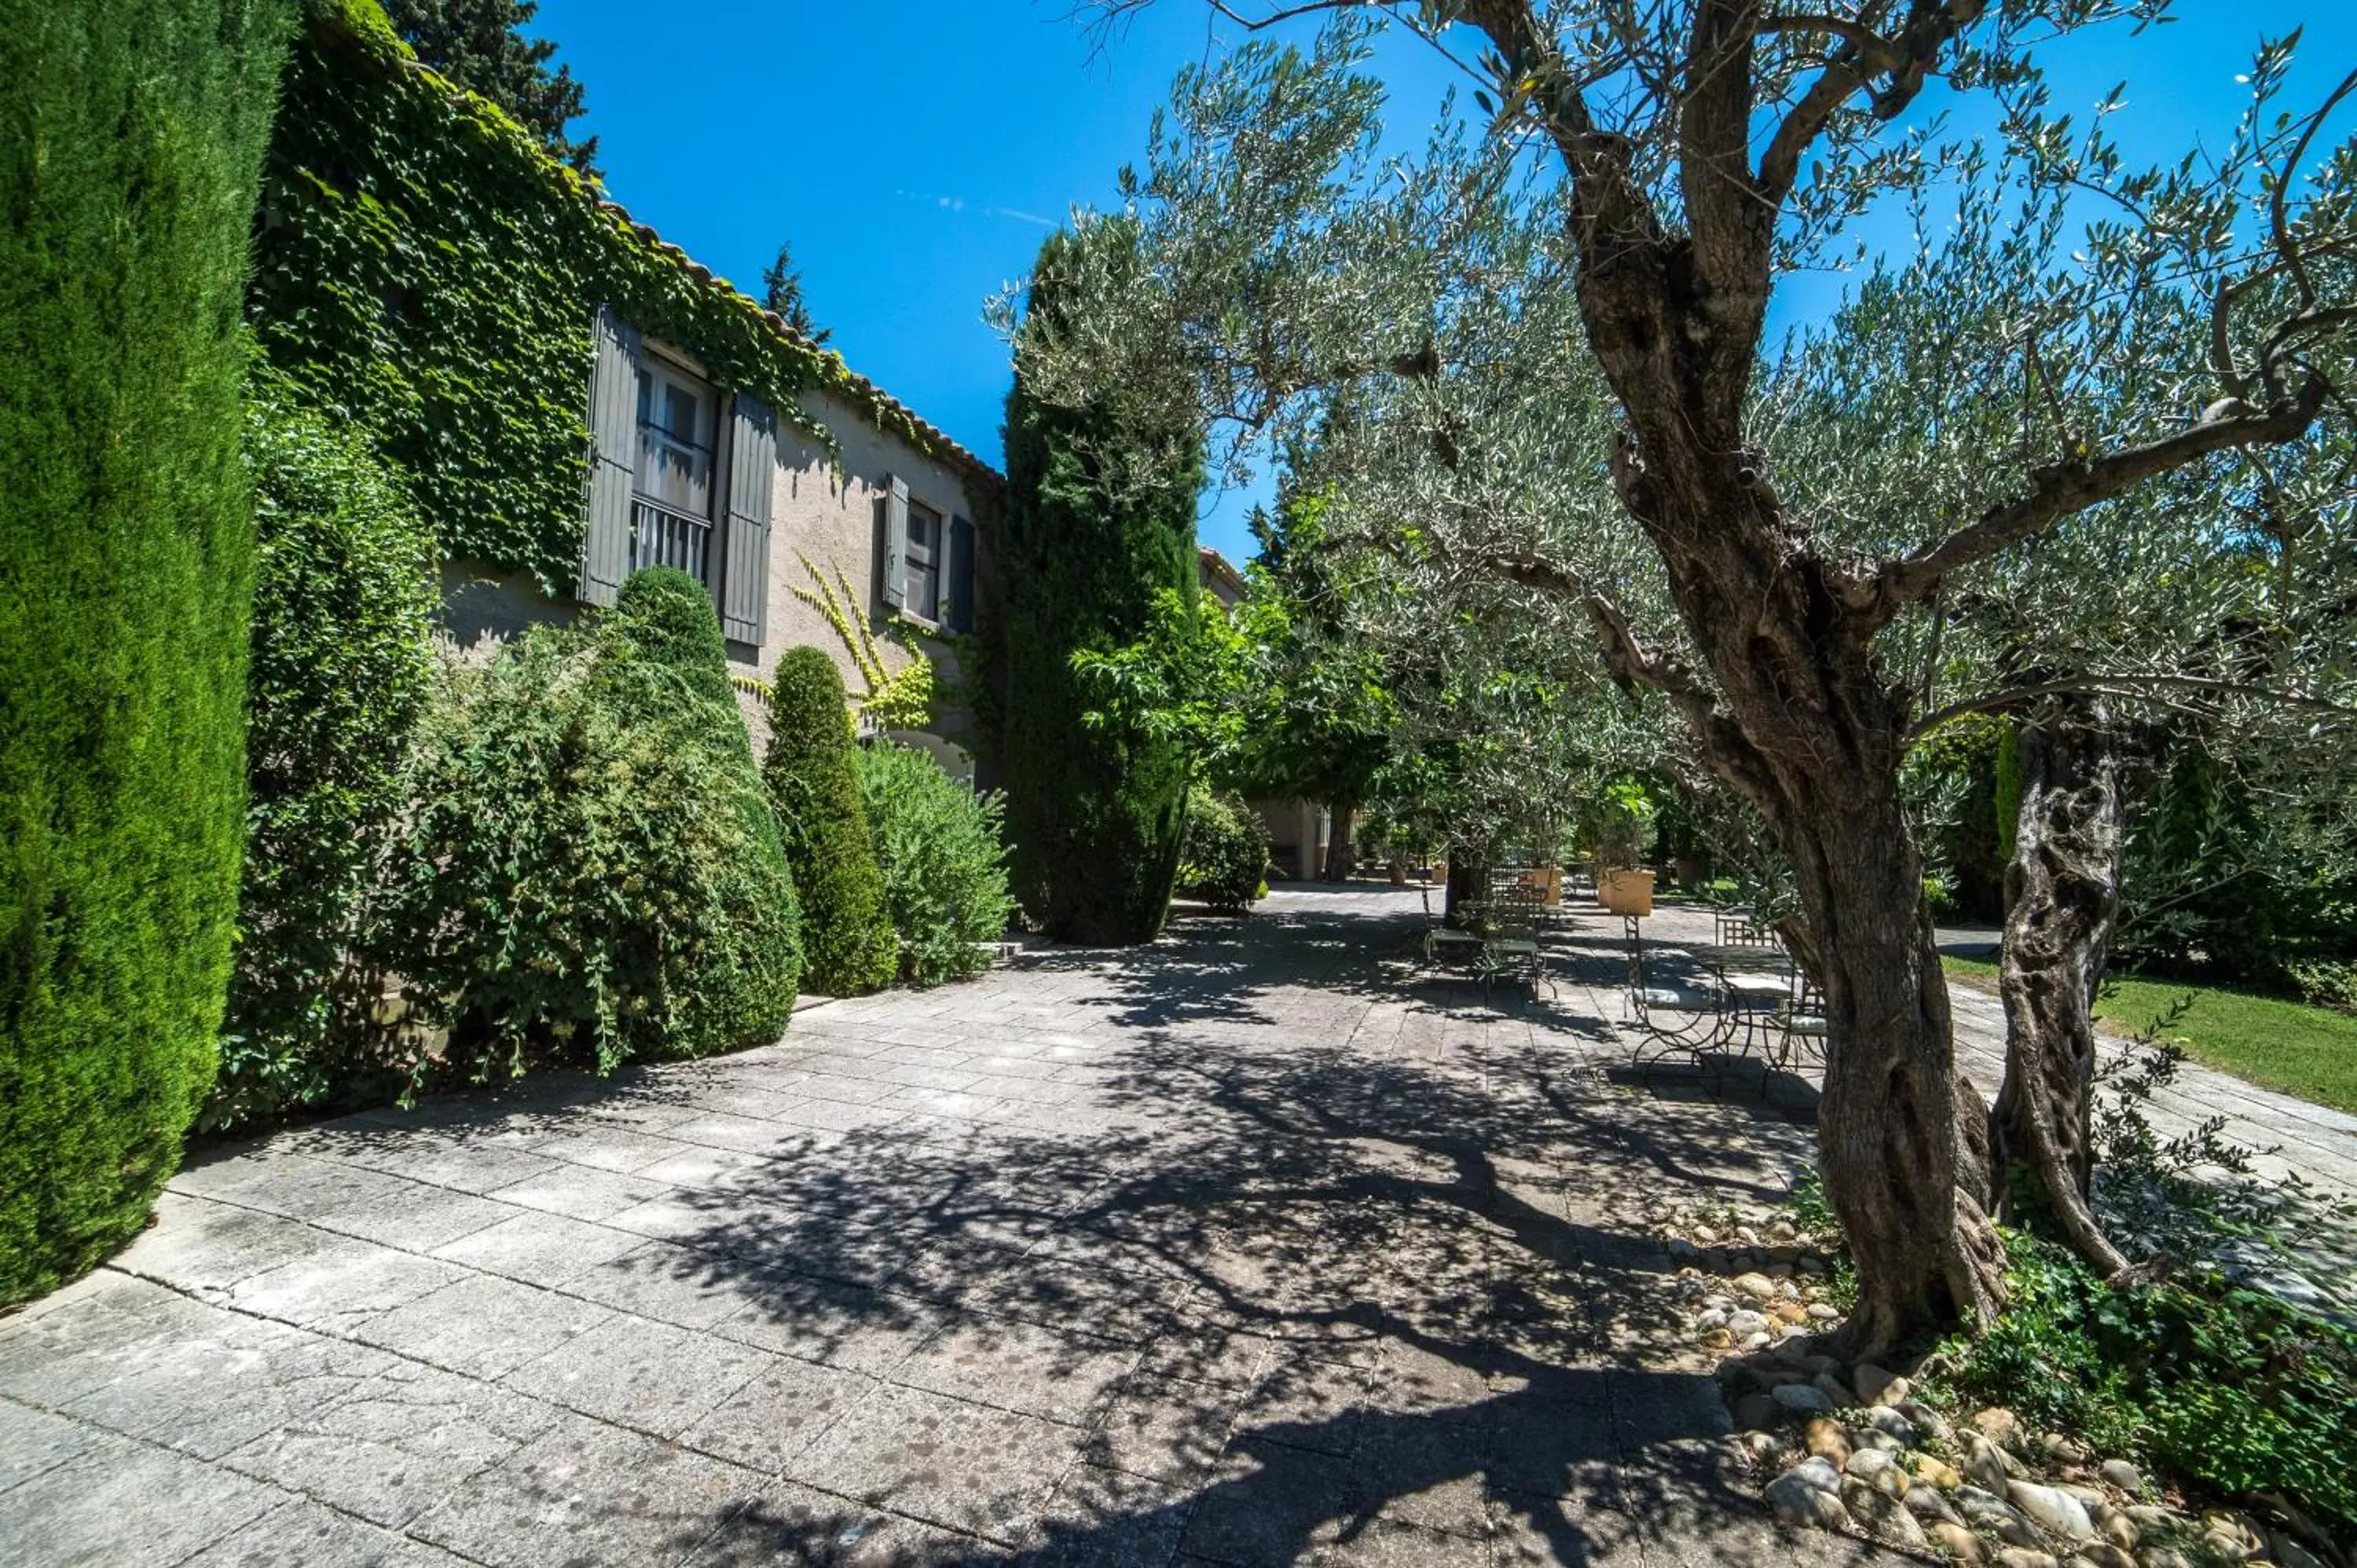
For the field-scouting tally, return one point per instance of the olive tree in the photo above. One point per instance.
(1688, 154)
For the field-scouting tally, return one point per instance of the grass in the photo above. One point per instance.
(2308, 1051)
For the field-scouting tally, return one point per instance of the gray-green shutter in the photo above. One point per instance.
(752, 465)
(613, 459)
(959, 614)
(896, 541)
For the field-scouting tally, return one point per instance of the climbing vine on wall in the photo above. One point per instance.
(429, 275)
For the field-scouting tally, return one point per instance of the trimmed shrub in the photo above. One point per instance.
(663, 617)
(944, 862)
(1096, 812)
(593, 869)
(847, 942)
(128, 173)
(1224, 860)
(341, 670)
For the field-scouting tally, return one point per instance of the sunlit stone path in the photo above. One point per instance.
(1237, 1250)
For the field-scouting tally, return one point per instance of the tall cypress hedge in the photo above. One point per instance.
(848, 944)
(1096, 816)
(130, 138)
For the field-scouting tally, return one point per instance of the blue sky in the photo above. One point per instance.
(915, 152)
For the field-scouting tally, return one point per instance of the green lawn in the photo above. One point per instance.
(2308, 1051)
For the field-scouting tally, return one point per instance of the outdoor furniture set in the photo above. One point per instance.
(1738, 995)
(1499, 933)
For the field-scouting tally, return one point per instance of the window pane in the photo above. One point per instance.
(674, 443)
(924, 591)
(924, 535)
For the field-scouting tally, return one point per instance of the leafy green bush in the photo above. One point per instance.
(340, 672)
(663, 617)
(2210, 1383)
(847, 937)
(128, 168)
(593, 865)
(1224, 861)
(944, 862)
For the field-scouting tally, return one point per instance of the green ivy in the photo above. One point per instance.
(430, 275)
(2210, 1382)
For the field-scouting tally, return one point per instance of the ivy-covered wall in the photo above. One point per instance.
(429, 275)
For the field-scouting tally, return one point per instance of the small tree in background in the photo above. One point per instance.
(1100, 519)
(847, 936)
(480, 44)
(782, 291)
(128, 172)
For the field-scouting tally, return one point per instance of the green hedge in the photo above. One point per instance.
(341, 671)
(131, 144)
(944, 861)
(1224, 858)
(431, 274)
(846, 934)
(594, 870)
(1096, 812)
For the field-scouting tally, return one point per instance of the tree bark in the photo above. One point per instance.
(1800, 717)
(1469, 882)
(1904, 1144)
(1341, 814)
(2061, 901)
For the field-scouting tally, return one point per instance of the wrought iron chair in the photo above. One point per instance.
(1675, 1012)
(1801, 1029)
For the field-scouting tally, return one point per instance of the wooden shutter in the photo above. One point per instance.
(896, 541)
(958, 615)
(744, 587)
(613, 458)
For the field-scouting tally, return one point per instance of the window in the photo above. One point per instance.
(672, 486)
(924, 599)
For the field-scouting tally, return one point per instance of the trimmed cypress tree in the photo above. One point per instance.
(1096, 815)
(663, 616)
(128, 172)
(848, 943)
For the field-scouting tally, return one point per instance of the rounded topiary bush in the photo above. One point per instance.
(663, 617)
(594, 866)
(340, 672)
(944, 856)
(847, 937)
(1224, 860)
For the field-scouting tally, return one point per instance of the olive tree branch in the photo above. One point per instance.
(2122, 684)
(2060, 490)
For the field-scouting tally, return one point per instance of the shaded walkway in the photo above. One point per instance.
(1234, 1248)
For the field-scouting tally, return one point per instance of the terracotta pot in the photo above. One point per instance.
(1626, 892)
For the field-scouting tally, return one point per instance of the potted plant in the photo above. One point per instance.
(1623, 830)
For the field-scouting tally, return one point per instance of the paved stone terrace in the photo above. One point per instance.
(1237, 1250)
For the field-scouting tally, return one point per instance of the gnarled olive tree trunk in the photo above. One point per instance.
(1799, 716)
(2062, 900)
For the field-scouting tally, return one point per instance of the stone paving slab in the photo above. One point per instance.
(1243, 1248)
